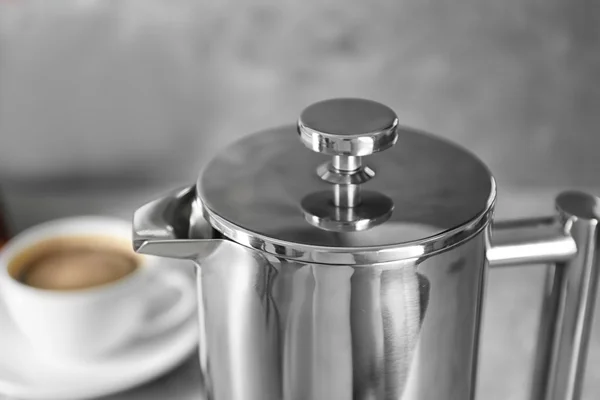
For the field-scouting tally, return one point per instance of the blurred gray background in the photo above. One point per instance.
(149, 87)
(104, 104)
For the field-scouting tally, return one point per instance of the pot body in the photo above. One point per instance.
(276, 328)
(273, 328)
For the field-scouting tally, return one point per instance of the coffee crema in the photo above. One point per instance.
(70, 263)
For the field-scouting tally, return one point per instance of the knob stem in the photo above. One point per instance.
(346, 195)
(347, 129)
(347, 163)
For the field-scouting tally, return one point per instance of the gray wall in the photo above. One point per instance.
(149, 87)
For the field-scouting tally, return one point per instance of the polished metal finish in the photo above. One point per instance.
(297, 303)
(252, 193)
(346, 163)
(284, 330)
(159, 226)
(348, 127)
(346, 196)
(570, 242)
(569, 303)
(154, 221)
(320, 210)
(530, 241)
(352, 254)
(275, 328)
(329, 173)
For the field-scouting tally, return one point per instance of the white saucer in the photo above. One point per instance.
(24, 375)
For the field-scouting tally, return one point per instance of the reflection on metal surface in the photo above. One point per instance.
(290, 311)
(569, 303)
(275, 328)
(156, 220)
(252, 190)
(569, 241)
(162, 228)
(320, 210)
(278, 329)
(257, 201)
(348, 253)
(329, 173)
(540, 240)
(348, 127)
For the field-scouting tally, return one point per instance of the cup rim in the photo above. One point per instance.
(69, 226)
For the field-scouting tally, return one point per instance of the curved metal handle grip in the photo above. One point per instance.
(570, 241)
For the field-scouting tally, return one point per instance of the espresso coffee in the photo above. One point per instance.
(70, 263)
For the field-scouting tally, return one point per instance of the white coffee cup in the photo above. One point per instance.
(88, 323)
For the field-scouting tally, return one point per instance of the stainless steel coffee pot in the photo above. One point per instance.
(356, 268)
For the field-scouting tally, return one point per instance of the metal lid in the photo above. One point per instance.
(347, 201)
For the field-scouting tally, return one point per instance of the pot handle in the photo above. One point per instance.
(569, 241)
(172, 226)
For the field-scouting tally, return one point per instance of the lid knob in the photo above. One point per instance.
(347, 129)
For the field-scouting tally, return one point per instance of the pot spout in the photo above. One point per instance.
(172, 227)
